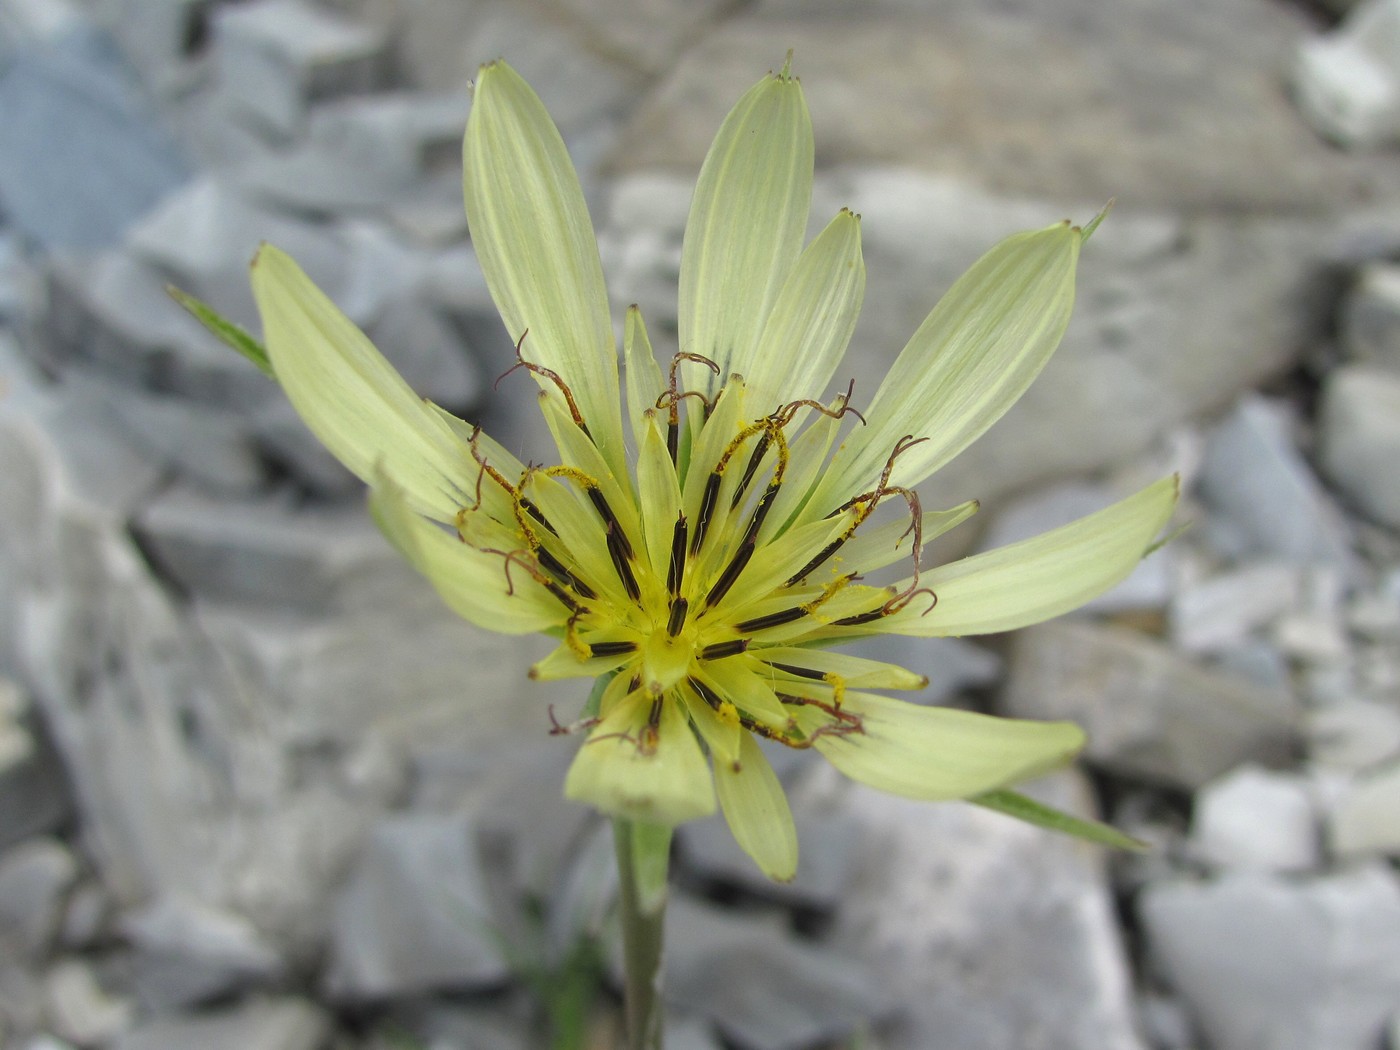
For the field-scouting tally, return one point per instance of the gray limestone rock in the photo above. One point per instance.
(257, 1024)
(35, 877)
(212, 448)
(364, 153)
(1347, 83)
(1221, 613)
(414, 916)
(1188, 97)
(1291, 965)
(158, 37)
(1149, 712)
(80, 1009)
(82, 154)
(1366, 819)
(278, 57)
(263, 552)
(761, 987)
(1370, 319)
(827, 844)
(1359, 435)
(953, 907)
(1266, 500)
(1352, 734)
(1257, 819)
(187, 953)
(33, 788)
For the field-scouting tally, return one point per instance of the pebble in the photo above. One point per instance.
(82, 153)
(1149, 712)
(277, 57)
(1370, 319)
(1359, 438)
(414, 915)
(952, 905)
(1288, 964)
(1222, 612)
(762, 988)
(1258, 820)
(79, 1009)
(33, 787)
(258, 1024)
(1265, 500)
(188, 953)
(1365, 821)
(35, 877)
(1347, 82)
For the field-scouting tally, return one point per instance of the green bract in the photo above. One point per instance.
(709, 559)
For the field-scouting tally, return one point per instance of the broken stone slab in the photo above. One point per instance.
(1359, 438)
(33, 788)
(276, 58)
(528, 834)
(363, 154)
(1311, 964)
(203, 237)
(35, 877)
(1365, 821)
(1149, 712)
(826, 860)
(1370, 320)
(760, 986)
(80, 1009)
(1352, 734)
(438, 1024)
(263, 551)
(1266, 500)
(82, 154)
(1256, 819)
(1347, 82)
(256, 1024)
(414, 916)
(188, 953)
(158, 37)
(952, 906)
(110, 313)
(213, 449)
(1222, 612)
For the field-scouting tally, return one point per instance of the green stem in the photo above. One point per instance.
(643, 851)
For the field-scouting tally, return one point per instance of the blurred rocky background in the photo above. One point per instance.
(259, 792)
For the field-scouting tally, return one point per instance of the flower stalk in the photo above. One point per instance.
(643, 855)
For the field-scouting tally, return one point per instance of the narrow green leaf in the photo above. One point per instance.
(1093, 224)
(1014, 804)
(228, 332)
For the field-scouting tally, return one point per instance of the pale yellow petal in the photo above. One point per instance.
(1042, 577)
(532, 234)
(757, 810)
(970, 361)
(472, 583)
(630, 768)
(745, 229)
(351, 398)
(812, 319)
(938, 753)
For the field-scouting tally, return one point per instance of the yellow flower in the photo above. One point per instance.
(709, 554)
